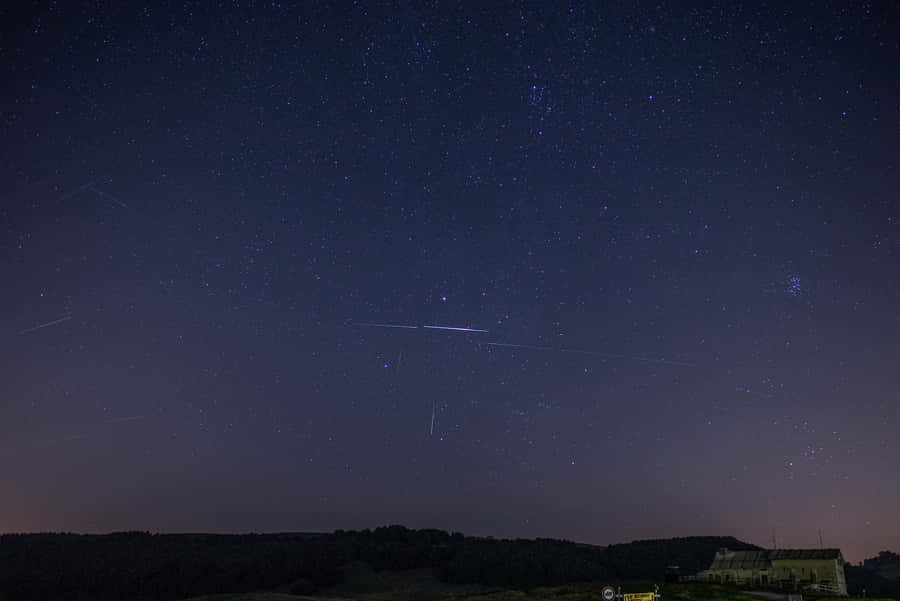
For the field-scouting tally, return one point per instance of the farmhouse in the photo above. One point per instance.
(816, 569)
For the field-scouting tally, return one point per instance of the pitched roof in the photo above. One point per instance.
(805, 554)
(740, 560)
(755, 560)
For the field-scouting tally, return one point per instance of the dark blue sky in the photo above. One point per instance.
(683, 219)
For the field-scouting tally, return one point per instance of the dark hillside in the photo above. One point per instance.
(143, 566)
(649, 558)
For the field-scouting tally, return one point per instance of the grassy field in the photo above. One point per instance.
(423, 590)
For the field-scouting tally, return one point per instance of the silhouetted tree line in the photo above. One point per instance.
(521, 563)
(140, 566)
(144, 566)
(884, 562)
(868, 577)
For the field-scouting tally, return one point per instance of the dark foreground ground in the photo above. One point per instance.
(589, 591)
(386, 564)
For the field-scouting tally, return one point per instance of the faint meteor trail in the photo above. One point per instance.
(594, 353)
(131, 418)
(88, 431)
(528, 346)
(107, 195)
(46, 325)
(77, 190)
(91, 186)
(453, 329)
(408, 327)
(431, 431)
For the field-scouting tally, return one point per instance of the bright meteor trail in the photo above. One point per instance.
(453, 329)
(530, 346)
(406, 327)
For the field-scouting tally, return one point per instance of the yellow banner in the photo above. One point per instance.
(639, 597)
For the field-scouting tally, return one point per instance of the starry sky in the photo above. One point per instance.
(668, 237)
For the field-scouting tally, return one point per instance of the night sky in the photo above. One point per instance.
(674, 231)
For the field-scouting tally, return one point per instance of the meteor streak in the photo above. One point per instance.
(532, 347)
(453, 329)
(76, 191)
(528, 346)
(131, 418)
(46, 325)
(431, 431)
(106, 195)
(594, 353)
(90, 430)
